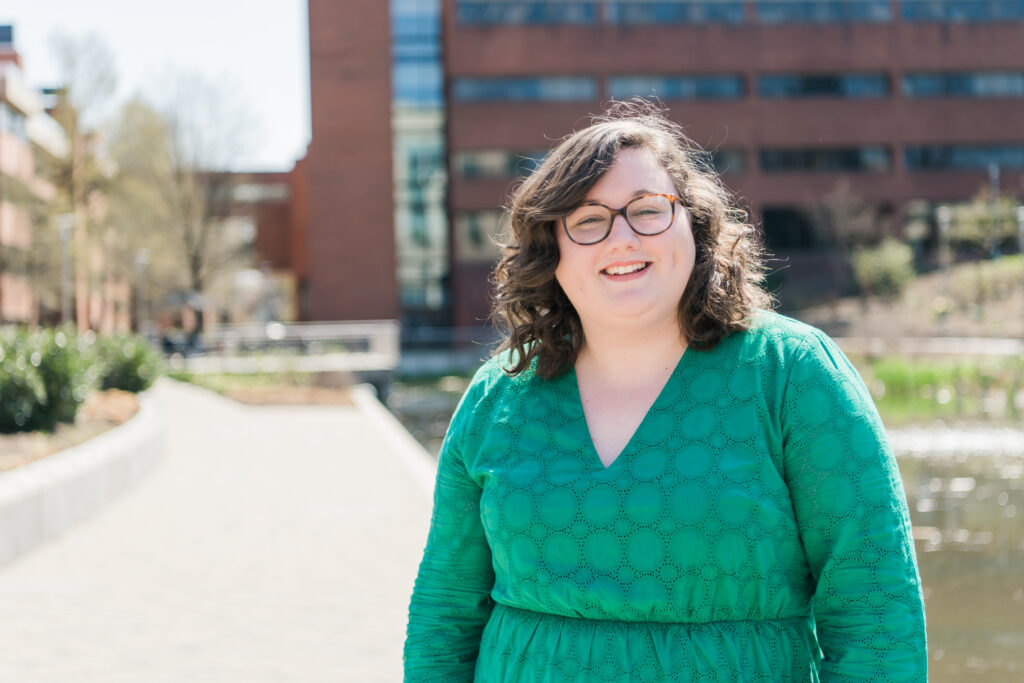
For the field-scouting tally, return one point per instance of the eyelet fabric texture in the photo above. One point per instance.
(753, 529)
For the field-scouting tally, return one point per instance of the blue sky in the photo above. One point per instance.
(258, 49)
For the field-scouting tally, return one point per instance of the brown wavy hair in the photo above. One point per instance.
(530, 307)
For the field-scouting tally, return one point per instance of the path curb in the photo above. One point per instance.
(419, 462)
(43, 498)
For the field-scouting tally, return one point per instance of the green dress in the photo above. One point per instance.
(753, 529)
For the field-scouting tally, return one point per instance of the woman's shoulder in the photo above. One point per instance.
(492, 379)
(774, 338)
(492, 390)
(802, 348)
(782, 329)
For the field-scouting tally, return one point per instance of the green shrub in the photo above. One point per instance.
(23, 402)
(885, 270)
(986, 280)
(127, 363)
(68, 371)
(906, 388)
(46, 374)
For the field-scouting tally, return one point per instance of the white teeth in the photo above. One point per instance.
(622, 270)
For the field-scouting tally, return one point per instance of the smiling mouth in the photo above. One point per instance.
(625, 270)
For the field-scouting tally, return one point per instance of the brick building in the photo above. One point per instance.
(891, 103)
(349, 229)
(35, 209)
(25, 132)
(886, 101)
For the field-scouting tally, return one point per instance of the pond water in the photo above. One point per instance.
(968, 516)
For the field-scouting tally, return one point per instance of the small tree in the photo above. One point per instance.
(172, 184)
(846, 220)
(80, 178)
(885, 270)
(982, 224)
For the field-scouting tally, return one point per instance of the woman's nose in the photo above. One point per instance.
(621, 233)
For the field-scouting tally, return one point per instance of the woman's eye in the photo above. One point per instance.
(587, 221)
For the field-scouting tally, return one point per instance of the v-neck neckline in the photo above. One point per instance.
(589, 446)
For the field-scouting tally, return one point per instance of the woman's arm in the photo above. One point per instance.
(451, 599)
(854, 524)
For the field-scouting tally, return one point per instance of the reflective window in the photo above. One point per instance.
(415, 18)
(12, 122)
(498, 12)
(962, 10)
(873, 158)
(788, 228)
(963, 157)
(476, 236)
(706, 12)
(966, 84)
(852, 86)
(822, 11)
(549, 89)
(417, 82)
(420, 173)
(729, 86)
(496, 163)
(416, 47)
(729, 161)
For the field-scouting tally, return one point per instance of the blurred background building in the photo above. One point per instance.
(880, 106)
(39, 225)
(835, 122)
(26, 133)
(874, 102)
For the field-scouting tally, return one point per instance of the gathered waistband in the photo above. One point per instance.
(800, 619)
(539, 647)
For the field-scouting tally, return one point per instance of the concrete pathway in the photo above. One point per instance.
(270, 544)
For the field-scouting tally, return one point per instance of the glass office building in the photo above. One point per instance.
(420, 174)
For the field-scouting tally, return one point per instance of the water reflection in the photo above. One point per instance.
(966, 512)
(968, 517)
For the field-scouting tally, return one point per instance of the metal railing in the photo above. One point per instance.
(295, 347)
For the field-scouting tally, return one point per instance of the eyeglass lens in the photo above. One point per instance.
(647, 215)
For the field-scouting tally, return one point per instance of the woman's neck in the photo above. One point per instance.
(627, 359)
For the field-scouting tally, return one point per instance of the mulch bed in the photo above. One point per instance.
(290, 396)
(103, 410)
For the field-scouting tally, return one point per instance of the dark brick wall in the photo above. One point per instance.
(350, 246)
(751, 123)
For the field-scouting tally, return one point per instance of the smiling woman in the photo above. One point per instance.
(656, 478)
(636, 261)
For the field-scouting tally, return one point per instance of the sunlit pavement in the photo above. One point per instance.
(270, 544)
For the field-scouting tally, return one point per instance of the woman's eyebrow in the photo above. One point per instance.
(636, 193)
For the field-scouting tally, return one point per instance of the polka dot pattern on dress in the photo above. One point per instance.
(759, 485)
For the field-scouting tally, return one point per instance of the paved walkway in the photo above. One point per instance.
(270, 544)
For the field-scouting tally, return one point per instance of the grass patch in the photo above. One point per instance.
(925, 389)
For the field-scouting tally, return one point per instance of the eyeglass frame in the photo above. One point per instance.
(621, 211)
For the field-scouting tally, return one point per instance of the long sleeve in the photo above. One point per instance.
(853, 520)
(451, 598)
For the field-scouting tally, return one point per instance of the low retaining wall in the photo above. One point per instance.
(43, 498)
(421, 465)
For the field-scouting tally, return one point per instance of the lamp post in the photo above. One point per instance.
(994, 228)
(66, 224)
(1020, 237)
(141, 264)
(944, 217)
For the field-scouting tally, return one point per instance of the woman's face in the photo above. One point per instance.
(628, 281)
